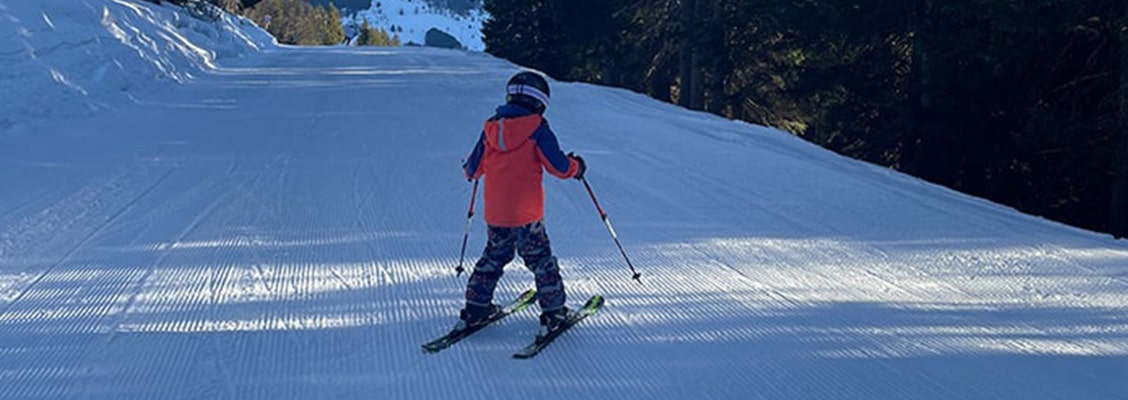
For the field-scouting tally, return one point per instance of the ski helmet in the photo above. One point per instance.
(528, 88)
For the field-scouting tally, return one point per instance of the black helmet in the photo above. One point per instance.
(529, 89)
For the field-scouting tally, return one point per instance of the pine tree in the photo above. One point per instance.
(375, 37)
(364, 37)
(510, 32)
(332, 30)
(232, 6)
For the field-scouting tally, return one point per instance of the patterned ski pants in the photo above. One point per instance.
(531, 242)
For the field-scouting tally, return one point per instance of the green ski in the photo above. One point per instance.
(452, 337)
(593, 305)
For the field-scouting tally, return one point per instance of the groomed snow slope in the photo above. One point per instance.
(285, 226)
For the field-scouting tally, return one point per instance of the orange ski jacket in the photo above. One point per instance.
(515, 148)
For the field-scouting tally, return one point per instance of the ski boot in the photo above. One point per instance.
(553, 320)
(475, 315)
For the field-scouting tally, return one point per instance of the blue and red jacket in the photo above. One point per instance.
(515, 148)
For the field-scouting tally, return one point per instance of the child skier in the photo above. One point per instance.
(515, 147)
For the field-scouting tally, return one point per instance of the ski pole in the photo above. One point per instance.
(603, 215)
(466, 236)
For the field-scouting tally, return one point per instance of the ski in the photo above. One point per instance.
(593, 305)
(452, 337)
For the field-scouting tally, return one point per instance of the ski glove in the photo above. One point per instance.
(464, 172)
(582, 166)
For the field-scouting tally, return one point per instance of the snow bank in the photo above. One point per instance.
(63, 58)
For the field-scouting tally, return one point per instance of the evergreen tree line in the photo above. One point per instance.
(1024, 102)
(369, 36)
(298, 22)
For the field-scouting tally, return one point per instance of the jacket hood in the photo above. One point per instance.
(511, 128)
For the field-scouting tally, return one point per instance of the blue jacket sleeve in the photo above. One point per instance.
(557, 163)
(474, 162)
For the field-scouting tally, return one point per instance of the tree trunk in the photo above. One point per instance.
(1118, 207)
(702, 38)
(686, 52)
(660, 84)
(907, 107)
(921, 145)
(714, 90)
(697, 82)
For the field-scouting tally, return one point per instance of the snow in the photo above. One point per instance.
(66, 58)
(283, 223)
(416, 17)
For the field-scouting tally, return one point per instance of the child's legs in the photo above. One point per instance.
(489, 268)
(534, 248)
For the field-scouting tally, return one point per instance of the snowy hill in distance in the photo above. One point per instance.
(410, 19)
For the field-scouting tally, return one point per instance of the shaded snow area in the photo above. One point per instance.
(413, 18)
(65, 58)
(285, 225)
